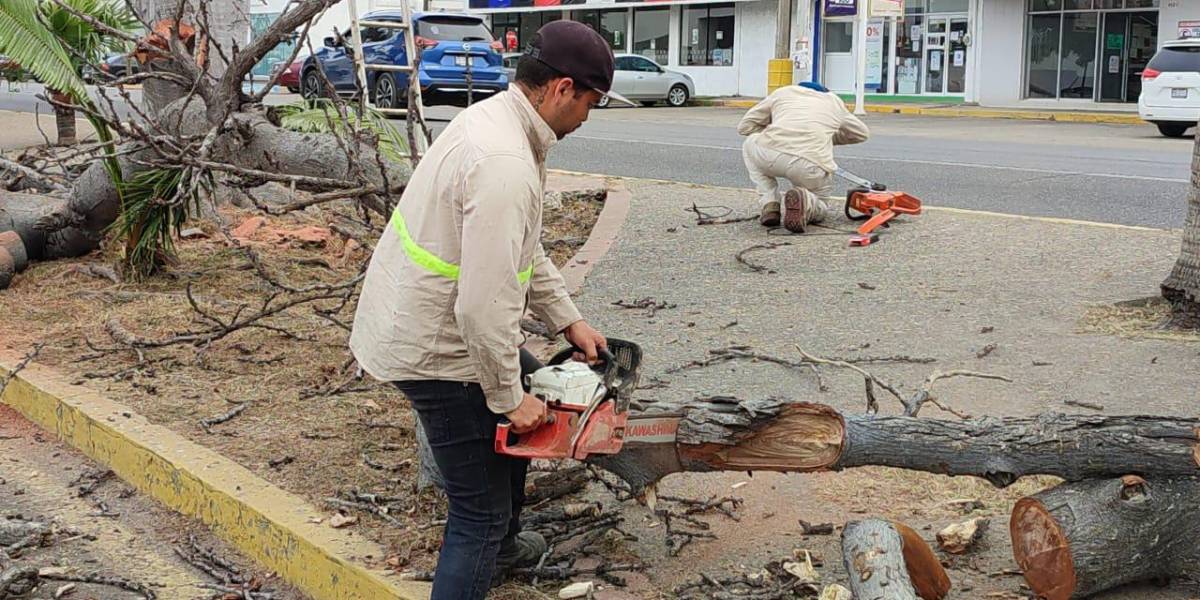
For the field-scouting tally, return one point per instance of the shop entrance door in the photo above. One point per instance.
(1127, 42)
(945, 55)
(935, 55)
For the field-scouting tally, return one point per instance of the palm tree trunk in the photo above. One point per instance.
(64, 118)
(1182, 286)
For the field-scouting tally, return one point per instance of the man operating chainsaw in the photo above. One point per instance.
(791, 134)
(452, 275)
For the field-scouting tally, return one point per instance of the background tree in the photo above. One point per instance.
(80, 41)
(225, 22)
(1182, 286)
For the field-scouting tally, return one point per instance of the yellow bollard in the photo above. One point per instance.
(779, 73)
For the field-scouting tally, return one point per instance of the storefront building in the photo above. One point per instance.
(1007, 53)
(927, 52)
(1003, 53)
(1075, 52)
(724, 46)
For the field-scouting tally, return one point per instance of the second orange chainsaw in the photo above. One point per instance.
(872, 202)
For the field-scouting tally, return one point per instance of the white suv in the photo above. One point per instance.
(1171, 88)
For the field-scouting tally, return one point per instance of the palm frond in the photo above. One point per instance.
(316, 116)
(28, 42)
(83, 40)
(157, 202)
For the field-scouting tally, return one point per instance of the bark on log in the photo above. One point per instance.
(890, 561)
(1078, 539)
(775, 435)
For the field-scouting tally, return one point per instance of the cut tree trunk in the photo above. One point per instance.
(723, 434)
(889, 561)
(1078, 539)
(1182, 286)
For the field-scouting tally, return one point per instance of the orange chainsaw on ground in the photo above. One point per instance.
(873, 203)
(588, 407)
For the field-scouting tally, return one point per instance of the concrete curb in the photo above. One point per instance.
(971, 112)
(271, 526)
(604, 234)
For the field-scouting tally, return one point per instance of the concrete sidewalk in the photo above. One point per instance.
(962, 110)
(973, 291)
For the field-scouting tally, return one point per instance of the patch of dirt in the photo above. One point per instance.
(1141, 318)
(310, 424)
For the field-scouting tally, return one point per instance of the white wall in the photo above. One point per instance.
(1170, 13)
(756, 41)
(999, 50)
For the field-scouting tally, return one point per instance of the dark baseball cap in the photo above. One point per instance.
(578, 52)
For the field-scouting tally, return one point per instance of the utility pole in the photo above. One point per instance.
(779, 69)
(783, 30)
(860, 57)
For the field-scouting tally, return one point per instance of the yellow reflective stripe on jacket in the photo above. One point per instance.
(428, 260)
(422, 257)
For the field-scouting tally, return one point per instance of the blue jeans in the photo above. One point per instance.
(485, 489)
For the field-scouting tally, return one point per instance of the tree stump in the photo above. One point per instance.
(1077, 539)
(889, 561)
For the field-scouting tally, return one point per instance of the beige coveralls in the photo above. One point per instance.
(791, 134)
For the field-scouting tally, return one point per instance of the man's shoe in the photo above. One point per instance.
(770, 215)
(525, 550)
(795, 213)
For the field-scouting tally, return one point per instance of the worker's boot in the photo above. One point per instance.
(769, 217)
(524, 550)
(797, 210)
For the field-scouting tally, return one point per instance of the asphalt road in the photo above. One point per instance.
(1124, 174)
(1112, 173)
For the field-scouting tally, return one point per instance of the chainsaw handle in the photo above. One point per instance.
(609, 361)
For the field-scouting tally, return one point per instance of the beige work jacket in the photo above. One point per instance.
(462, 255)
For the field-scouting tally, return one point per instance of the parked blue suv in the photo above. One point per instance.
(445, 42)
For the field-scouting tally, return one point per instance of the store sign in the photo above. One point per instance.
(887, 8)
(841, 8)
(1189, 29)
(875, 54)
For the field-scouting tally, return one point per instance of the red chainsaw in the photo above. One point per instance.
(588, 407)
(873, 203)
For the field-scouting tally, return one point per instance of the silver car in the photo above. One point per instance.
(637, 78)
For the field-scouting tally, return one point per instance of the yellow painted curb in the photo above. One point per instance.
(989, 113)
(972, 112)
(266, 523)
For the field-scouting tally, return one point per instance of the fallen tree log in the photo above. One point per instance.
(725, 434)
(1078, 539)
(219, 120)
(54, 227)
(889, 561)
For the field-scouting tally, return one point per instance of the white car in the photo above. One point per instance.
(641, 79)
(637, 78)
(1170, 95)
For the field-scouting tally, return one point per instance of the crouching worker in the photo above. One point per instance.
(791, 134)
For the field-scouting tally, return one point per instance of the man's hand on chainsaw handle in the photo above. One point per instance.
(529, 415)
(587, 339)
